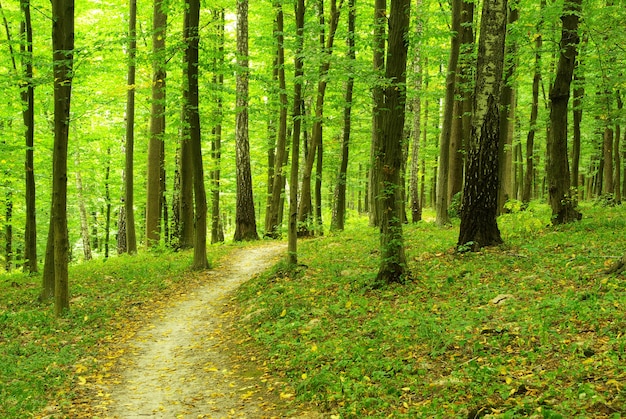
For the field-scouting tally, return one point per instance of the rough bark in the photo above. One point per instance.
(416, 126)
(479, 227)
(245, 221)
(393, 259)
(217, 230)
(292, 247)
(129, 188)
(157, 127)
(561, 200)
(577, 114)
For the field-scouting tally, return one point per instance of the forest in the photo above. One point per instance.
(138, 129)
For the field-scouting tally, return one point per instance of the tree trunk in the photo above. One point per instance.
(217, 230)
(107, 200)
(416, 128)
(617, 151)
(292, 251)
(84, 224)
(63, 54)
(157, 127)
(561, 200)
(28, 116)
(607, 156)
(339, 209)
(479, 226)
(577, 113)
(530, 138)
(305, 212)
(192, 38)
(441, 205)
(380, 20)
(393, 259)
(129, 188)
(507, 119)
(245, 222)
(272, 225)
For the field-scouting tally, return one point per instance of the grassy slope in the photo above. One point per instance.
(438, 347)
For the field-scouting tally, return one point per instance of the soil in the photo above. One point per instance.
(178, 366)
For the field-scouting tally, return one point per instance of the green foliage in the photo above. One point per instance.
(41, 356)
(529, 329)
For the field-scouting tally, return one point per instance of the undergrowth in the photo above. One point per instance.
(531, 328)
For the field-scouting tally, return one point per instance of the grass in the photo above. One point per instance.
(441, 346)
(44, 360)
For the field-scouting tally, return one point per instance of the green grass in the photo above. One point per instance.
(41, 357)
(438, 347)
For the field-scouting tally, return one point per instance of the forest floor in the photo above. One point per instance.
(182, 364)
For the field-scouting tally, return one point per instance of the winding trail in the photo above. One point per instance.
(174, 367)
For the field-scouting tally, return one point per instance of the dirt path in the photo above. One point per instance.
(174, 367)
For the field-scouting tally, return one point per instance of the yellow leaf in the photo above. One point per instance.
(348, 304)
(508, 380)
(284, 313)
(304, 376)
(314, 348)
(82, 381)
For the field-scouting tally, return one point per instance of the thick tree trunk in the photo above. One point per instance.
(479, 225)
(63, 54)
(245, 221)
(339, 209)
(292, 251)
(28, 116)
(380, 20)
(441, 205)
(129, 175)
(561, 200)
(393, 259)
(157, 127)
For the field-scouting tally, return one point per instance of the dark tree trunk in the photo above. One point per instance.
(155, 180)
(217, 229)
(63, 54)
(273, 219)
(380, 20)
(577, 113)
(339, 209)
(245, 221)
(479, 205)
(561, 200)
(393, 259)
(292, 256)
(129, 200)
(28, 115)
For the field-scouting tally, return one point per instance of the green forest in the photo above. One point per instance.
(446, 179)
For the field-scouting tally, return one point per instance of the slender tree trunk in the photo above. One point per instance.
(441, 205)
(380, 20)
(278, 180)
(292, 255)
(185, 202)
(617, 151)
(217, 230)
(339, 209)
(561, 200)
(107, 200)
(28, 116)
(157, 127)
(479, 226)
(63, 54)
(607, 156)
(416, 108)
(534, 112)
(393, 259)
(507, 118)
(129, 188)
(305, 212)
(84, 224)
(577, 113)
(245, 223)
(192, 37)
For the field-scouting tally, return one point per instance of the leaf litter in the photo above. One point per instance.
(182, 361)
